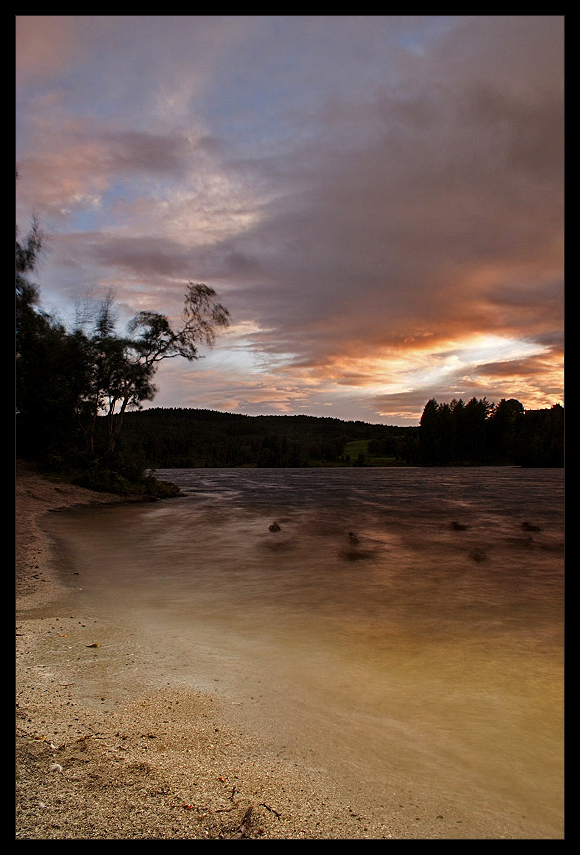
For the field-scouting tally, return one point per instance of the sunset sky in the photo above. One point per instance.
(377, 200)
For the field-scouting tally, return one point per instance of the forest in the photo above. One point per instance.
(479, 432)
(472, 434)
(80, 396)
(182, 438)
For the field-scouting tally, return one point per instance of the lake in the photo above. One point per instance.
(384, 624)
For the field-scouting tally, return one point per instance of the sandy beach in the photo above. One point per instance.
(101, 757)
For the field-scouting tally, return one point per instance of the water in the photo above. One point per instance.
(400, 625)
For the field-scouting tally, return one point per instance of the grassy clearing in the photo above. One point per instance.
(358, 452)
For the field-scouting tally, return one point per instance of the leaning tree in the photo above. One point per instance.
(123, 367)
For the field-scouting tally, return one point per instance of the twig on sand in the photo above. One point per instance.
(245, 826)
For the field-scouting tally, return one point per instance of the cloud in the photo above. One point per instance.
(45, 45)
(360, 190)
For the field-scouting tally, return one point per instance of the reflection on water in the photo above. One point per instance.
(413, 616)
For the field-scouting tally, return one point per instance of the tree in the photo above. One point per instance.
(27, 294)
(505, 425)
(66, 380)
(542, 438)
(454, 433)
(429, 435)
(476, 412)
(46, 368)
(124, 366)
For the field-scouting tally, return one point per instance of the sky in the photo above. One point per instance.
(377, 200)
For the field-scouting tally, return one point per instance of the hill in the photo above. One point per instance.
(182, 438)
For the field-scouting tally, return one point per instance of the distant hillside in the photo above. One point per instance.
(182, 438)
(455, 434)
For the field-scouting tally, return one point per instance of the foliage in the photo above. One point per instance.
(455, 434)
(479, 433)
(48, 365)
(69, 382)
(183, 438)
(105, 480)
(121, 368)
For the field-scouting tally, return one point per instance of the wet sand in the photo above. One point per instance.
(104, 752)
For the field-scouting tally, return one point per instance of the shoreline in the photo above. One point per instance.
(103, 756)
(140, 761)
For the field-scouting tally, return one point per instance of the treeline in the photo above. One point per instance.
(479, 433)
(475, 433)
(184, 438)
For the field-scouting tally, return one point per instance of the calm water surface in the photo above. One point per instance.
(398, 621)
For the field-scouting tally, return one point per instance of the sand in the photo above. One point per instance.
(101, 758)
